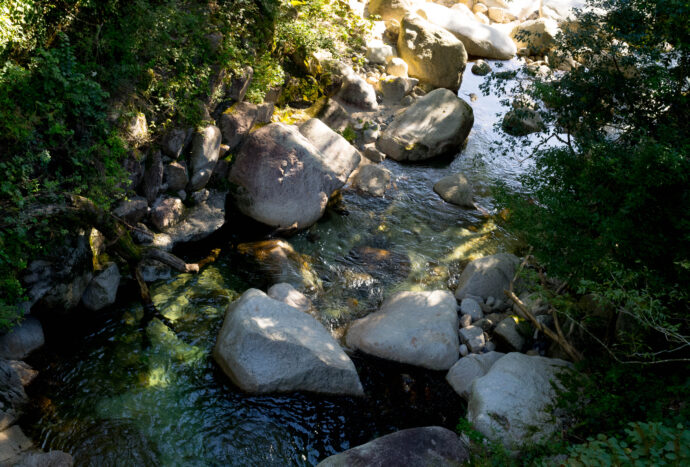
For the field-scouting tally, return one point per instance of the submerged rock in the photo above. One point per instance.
(283, 180)
(21, 340)
(102, 290)
(267, 346)
(425, 446)
(434, 125)
(279, 260)
(455, 189)
(419, 328)
(432, 54)
(372, 179)
(511, 402)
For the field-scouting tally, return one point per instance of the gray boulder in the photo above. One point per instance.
(470, 307)
(488, 276)
(511, 402)
(22, 339)
(102, 290)
(175, 176)
(468, 369)
(199, 221)
(394, 89)
(508, 335)
(153, 176)
(432, 54)
(419, 328)
(342, 156)
(473, 338)
(175, 141)
(356, 91)
(166, 212)
(287, 294)
(426, 446)
(205, 152)
(12, 395)
(237, 121)
(436, 124)
(283, 180)
(372, 179)
(132, 210)
(267, 346)
(455, 189)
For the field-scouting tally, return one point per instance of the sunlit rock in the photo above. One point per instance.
(487, 277)
(268, 346)
(419, 328)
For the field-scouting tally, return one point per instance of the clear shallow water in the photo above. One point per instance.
(124, 396)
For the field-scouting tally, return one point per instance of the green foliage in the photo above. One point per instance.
(606, 208)
(644, 444)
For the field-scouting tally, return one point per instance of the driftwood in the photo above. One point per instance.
(527, 314)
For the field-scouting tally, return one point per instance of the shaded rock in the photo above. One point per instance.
(153, 176)
(511, 402)
(102, 290)
(425, 446)
(283, 180)
(334, 115)
(12, 395)
(175, 141)
(465, 321)
(267, 346)
(199, 221)
(175, 176)
(487, 276)
(507, 332)
(132, 210)
(522, 122)
(470, 307)
(394, 89)
(24, 371)
(373, 154)
(166, 211)
(287, 294)
(237, 121)
(473, 338)
(480, 40)
(142, 234)
(23, 339)
(419, 328)
(13, 442)
(239, 84)
(356, 91)
(152, 270)
(455, 189)
(468, 369)
(372, 179)
(204, 155)
(281, 263)
(432, 54)
(434, 125)
(481, 68)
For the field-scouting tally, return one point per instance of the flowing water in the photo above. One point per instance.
(124, 396)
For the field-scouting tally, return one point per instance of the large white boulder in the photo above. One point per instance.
(537, 36)
(432, 54)
(480, 40)
(268, 346)
(435, 125)
(511, 402)
(426, 446)
(419, 328)
(468, 369)
(283, 179)
(487, 277)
